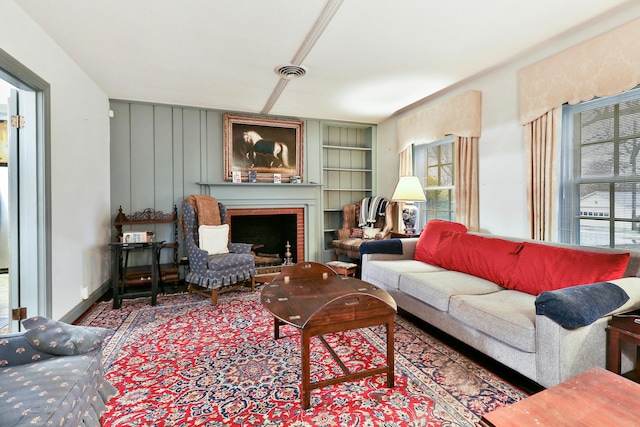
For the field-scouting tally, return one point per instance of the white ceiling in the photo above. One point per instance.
(370, 58)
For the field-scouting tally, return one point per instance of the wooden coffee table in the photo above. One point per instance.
(594, 398)
(329, 304)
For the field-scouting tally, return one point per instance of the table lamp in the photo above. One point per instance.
(409, 190)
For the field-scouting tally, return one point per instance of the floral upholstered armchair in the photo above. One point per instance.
(215, 265)
(355, 229)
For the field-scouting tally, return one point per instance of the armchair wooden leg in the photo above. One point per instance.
(214, 297)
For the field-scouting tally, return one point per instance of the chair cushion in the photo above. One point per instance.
(230, 260)
(214, 238)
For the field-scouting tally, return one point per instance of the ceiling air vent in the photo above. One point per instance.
(290, 72)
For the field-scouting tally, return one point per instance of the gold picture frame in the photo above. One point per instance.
(264, 145)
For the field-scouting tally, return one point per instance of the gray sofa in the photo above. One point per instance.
(52, 374)
(500, 322)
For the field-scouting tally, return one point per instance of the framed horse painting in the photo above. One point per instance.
(261, 147)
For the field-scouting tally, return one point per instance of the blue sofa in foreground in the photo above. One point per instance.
(52, 374)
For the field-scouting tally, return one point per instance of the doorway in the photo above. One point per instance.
(5, 311)
(27, 277)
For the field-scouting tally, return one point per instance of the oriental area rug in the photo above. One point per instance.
(185, 362)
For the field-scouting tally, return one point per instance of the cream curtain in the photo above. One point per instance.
(405, 169)
(466, 182)
(542, 138)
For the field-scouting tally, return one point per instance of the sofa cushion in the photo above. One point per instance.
(490, 258)
(578, 306)
(509, 316)
(387, 273)
(546, 268)
(430, 237)
(437, 287)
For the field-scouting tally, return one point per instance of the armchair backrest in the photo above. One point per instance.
(190, 221)
(351, 213)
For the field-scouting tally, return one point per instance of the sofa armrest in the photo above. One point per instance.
(239, 248)
(562, 353)
(16, 350)
(408, 249)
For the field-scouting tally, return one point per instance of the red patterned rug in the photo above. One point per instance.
(185, 362)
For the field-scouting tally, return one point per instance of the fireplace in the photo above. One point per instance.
(269, 229)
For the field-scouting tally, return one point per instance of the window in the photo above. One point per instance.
(433, 165)
(600, 182)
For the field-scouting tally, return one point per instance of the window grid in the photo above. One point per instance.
(601, 141)
(433, 165)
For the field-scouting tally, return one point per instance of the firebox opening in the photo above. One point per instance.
(269, 233)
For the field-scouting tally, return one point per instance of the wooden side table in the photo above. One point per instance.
(594, 398)
(402, 235)
(623, 327)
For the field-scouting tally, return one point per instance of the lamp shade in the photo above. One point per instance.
(408, 190)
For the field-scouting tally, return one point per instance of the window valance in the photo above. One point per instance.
(460, 116)
(605, 65)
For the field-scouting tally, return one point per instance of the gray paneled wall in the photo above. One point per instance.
(159, 153)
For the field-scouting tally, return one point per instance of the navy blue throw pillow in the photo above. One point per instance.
(578, 306)
(385, 246)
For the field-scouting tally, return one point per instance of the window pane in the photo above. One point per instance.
(627, 235)
(630, 118)
(626, 200)
(446, 175)
(446, 153)
(432, 156)
(594, 200)
(629, 157)
(597, 160)
(597, 124)
(594, 233)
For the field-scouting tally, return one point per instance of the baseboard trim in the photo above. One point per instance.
(79, 310)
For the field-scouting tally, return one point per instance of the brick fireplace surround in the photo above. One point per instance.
(298, 212)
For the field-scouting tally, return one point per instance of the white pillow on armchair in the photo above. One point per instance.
(214, 238)
(370, 232)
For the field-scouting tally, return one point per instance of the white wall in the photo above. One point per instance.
(502, 167)
(80, 211)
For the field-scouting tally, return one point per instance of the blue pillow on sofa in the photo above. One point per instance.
(581, 305)
(62, 339)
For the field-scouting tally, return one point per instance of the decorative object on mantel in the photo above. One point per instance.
(295, 179)
(287, 255)
(253, 176)
(264, 145)
(409, 190)
(237, 176)
(277, 178)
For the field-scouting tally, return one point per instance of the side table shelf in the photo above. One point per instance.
(120, 253)
(169, 271)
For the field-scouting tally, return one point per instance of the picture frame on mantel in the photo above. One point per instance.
(264, 145)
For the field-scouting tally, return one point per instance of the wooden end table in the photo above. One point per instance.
(623, 327)
(328, 304)
(402, 235)
(594, 398)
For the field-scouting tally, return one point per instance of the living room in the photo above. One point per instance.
(90, 151)
(103, 148)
